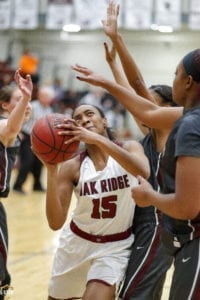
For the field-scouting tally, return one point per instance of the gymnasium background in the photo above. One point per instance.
(157, 32)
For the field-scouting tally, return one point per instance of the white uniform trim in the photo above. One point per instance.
(76, 256)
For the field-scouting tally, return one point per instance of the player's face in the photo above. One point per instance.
(89, 117)
(14, 99)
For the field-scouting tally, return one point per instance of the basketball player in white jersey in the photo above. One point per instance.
(94, 248)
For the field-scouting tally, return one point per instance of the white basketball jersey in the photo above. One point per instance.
(104, 203)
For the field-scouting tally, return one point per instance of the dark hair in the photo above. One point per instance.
(6, 94)
(110, 132)
(165, 92)
(191, 64)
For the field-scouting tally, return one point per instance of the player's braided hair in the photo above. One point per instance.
(165, 92)
(191, 64)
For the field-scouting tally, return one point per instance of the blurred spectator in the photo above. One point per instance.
(6, 74)
(28, 64)
(93, 97)
(58, 90)
(67, 104)
(6, 79)
(28, 162)
(114, 113)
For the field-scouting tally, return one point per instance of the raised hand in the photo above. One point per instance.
(110, 24)
(89, 76)
(24, 84)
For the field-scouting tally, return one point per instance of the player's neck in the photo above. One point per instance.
(98, 157)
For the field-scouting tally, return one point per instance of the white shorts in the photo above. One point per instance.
(78, 261)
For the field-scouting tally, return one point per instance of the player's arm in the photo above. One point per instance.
(12, 126)
(131, 70)
(131, 157)
(118, 74)
(187, 186)
(185, 203)
(59, 192)
(146, 111)
(120, 78)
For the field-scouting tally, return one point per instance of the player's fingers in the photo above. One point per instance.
(81, 78)
(81, 70)
(77, 66)
(105, 46)
(71, 140)
(112, 7)
(66, 132)
(117, 11)
(108, 8)
(107, 54)
(66, 126)
(28, 77)
(70, 121)
(16, 76)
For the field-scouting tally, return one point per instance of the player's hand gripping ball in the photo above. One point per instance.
(48, 144)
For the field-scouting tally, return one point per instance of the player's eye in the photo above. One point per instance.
(76, 118)
(78, 121)
(90, 113)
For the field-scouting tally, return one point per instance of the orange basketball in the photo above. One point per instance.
(46, 142)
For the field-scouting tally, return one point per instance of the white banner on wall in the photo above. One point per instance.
(194, 15)
(89, 14)
(59, 13)
(138, 14)
(5, 13)
(168, 13)
(25, 14)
